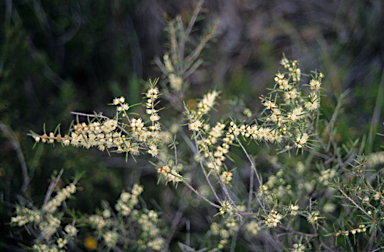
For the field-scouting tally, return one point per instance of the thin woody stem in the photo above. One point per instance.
(250, 160)
(51, 187)
(201, 196)
(205, 173)
(217, 174)
(351, 200)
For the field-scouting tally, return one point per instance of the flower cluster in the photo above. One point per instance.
(203, 107)
(49, 226)
(293, 209)
(170, 175)
(114, 230)
(25, 215)
(313, 217)
(96, 134)
(375, 158)
(326, 176)
(195, 125)
(152, 95)
(226, 177)
(98, 221)
(298, 247)
(230, 210)
(53, 236)
(225, 207)
(257, 133)
(215, 158)
(70, 230)
(61, 196)
(121, 106)
(127, 200)
(253, 227)
(105, 133)
(224, 232)
(281, 123)
(174, 80)
(148, 223)
(361, 229)
(38, 247)
(273, 219)
(110, 238)
(47, 221)
(277, 187)
(206, 104)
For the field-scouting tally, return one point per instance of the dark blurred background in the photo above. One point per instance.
(62, 56)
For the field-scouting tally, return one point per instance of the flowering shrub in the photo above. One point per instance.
(129, 225)
(314, 191)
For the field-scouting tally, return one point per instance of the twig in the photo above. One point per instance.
(290, 148)
(250, 160)
(98, 116)
(192, 69)
(254, 169)
(331, 123)
(201, 196)
(351, 200)
(17, 148)
(189, 142)
(297, 232)
(191, 23)
(216, 172)
(234, 238)
(89, 115)
(175, 222)
(376, 113)
(161, 65)
(202, 167)
(173, 42)
(250, 191)
(325, 245)
(51, 187)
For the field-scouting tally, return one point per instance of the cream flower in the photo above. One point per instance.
(195, 125)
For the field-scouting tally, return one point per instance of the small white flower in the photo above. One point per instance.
(273, 219)
(154, 117)
(110, 239)
(61, 242)
(314, 84)
(137, 190)
(329, 207)
(116, 101)
(195, 125)
(293, 209)
(312, 105)
(106, 213)
(313, 217)
(71, 230)
(301, 140)
(253, 227)
(153, 150)
(298, 248)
